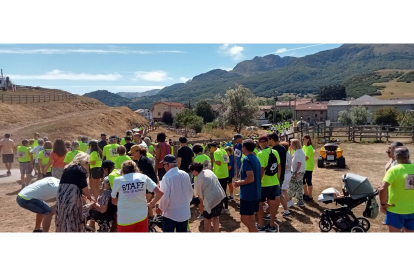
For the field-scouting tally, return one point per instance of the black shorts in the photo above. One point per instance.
(248, 207)
(229, 180)
(270, 193)
(8, 158)
(107, 216)
(307, 178)
(215, 212)
(96, 173)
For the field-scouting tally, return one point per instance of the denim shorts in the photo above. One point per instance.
(399, 221)
(34, 205)
(25, 168)
(270, 193)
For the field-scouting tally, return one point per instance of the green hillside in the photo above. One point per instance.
(108, 98)
(298, 75)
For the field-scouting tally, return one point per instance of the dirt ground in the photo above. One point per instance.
(362, 159)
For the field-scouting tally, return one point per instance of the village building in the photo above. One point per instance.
(370, 103)
(159, 108)
(146, 113)
(312, 112)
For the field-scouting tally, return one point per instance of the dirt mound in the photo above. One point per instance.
(67, 119)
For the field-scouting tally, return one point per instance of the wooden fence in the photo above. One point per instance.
(21, 99)
(358, 133)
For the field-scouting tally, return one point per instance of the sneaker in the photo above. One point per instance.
(272, 229)
(286, 214)
(261, 229)
(300, 204)
(305, 197)
(9, 173)
(38, 231)
(200, 217)
(231, 198)
(266, 217)
(23, 186)
(225, 211)
(290, 203)
(308, 198)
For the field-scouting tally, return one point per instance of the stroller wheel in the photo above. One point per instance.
(357, 229)
(325, 225)
(364, 223)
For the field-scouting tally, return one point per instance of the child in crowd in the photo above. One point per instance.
(231, 165)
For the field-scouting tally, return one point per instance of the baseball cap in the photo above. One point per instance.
(103, 134)
(113, 138)
(107, 164)
(237, 136)
(134, 148)
(169, 158)
(263, 138)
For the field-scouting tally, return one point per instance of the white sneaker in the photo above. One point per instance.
(225, 211)
(290, 203)
(265, 206)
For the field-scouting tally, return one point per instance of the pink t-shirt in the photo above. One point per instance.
(7, 146)
(165, 149)
(57, 161)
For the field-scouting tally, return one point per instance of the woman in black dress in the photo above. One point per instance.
(69, 196)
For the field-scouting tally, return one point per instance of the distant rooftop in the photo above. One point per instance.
(368, 100)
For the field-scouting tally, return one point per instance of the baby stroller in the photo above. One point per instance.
(356, 191)
(156, 221)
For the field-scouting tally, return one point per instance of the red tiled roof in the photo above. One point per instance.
(313, 106)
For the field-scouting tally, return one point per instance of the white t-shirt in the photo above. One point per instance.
(132, 201)
(208, 188)
(299, 156)
(36, 151)
(143, 145)
(43, 189)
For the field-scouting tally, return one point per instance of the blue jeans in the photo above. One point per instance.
(168, 225)
(34, 205)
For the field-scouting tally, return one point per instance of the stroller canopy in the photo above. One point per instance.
(358, 186)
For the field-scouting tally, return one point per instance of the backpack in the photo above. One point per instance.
(372, 209)
(271, 168)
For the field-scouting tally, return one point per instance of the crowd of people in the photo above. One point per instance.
(125, 184)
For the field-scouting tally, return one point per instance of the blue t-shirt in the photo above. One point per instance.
(228, 144)
(231, 163)
(238, 153)
(251, 191)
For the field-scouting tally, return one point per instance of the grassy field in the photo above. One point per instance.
(362, 159)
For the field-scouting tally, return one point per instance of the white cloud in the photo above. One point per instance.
(83, 51)
(283, 50)
(60, 75)
(152, 76)
(183, 79)
(233, 51)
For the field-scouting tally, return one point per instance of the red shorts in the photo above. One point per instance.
(141, 226)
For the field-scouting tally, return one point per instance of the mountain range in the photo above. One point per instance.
(132, 95)
(264, 75)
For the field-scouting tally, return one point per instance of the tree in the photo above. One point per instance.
(357, 115)
(387, 116)
(331, 92)
(167, 118)
(204, 110)
(344, 118)
(281, 115)
(238, 107)
(188, 119)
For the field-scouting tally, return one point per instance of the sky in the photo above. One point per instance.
(83, 68)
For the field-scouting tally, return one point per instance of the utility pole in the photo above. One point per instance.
(274, 106)
(301, 127)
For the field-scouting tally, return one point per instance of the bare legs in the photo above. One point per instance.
(249, 222)
(94, 184)
(211, 222)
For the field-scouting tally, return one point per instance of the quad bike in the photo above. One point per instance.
(331, 154)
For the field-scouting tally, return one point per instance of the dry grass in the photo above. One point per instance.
(396, 90)
(363, 159)
(67, 119)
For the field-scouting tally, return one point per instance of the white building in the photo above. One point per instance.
(146, 113)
